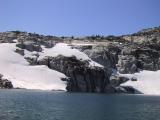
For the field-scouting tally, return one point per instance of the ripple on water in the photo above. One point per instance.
(42, 105)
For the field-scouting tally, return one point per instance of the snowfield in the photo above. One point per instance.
(148, 82)
(15, 68)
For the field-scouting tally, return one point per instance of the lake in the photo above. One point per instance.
(50, 105)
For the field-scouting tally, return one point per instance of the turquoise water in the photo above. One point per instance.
(43, 105)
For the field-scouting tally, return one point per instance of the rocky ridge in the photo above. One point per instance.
(126, 54)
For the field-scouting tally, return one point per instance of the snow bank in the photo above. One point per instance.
(15, 68)
(148, 82)
(65, 50)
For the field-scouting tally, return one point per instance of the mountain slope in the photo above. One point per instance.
(15, 68)
(88, 64)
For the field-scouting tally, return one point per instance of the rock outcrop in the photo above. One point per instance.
(106, 55)
(140, 56)
(85, 78)
(81, 76)
(124, 54)
(4, 83)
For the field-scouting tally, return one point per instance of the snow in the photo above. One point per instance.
(66, 50)
(83, 44)
(148, 82)
(30, 54)
(15, 68)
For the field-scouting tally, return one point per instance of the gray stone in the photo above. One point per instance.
(20, 51)
(4, 83)
(30, 46)
(82, 77)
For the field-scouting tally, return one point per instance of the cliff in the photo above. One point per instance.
(93, 63)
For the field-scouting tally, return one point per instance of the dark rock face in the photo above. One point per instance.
(4, 83)
(132, 60)
(104, 55)
(82, 76)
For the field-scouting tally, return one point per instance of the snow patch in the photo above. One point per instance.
(148, 82)
(66, 50)
(15, 68)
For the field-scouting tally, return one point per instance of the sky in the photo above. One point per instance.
(79, 17)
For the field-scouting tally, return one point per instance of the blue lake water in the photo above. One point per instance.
(45, 105)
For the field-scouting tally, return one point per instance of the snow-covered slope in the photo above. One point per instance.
(66, 50)
(148, 82)
(14, 67)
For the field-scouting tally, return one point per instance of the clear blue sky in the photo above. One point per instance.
(79, 17)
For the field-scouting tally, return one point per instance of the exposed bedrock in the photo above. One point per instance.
(125, 54)
(81, 76)
(133, 59)
(4, 83)
(106, 55)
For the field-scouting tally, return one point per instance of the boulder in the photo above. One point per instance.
(20, 51)
(7, 84)
(125, 89)
(4, 83)
(116, 80)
